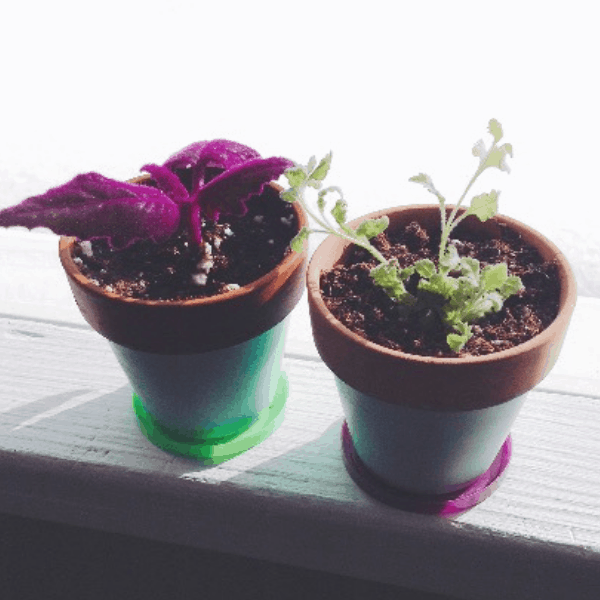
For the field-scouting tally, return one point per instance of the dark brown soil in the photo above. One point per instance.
(353, 298)
(235, 251)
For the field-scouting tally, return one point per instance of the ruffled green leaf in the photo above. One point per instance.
(321, 201)
(513, 285)
(387, 276)
(427, 183)
(466, 290)
(322, 169)
(297, 243)
(425, 268)
(457, 341)
(482, 306)
(484, 206)
(495, 302)
(289, 195)
(439, 284)
(493, 277)
(407, 272)
(495, 129)
(372, 227)
(450, 260)
(296, 176)
(340, 211)
(322, 193)
(497, 157)
(469, 268)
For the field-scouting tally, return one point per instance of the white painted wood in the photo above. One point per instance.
(70, 452)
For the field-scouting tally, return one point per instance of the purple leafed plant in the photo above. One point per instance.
(219, 175)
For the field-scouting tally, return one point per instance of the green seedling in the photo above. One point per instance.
(456, 290)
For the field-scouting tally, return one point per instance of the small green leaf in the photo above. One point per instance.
(297, 243)
(452, 316)
(466, 290)
(494, 301)
(311, 164)
(339, 211)
(329, 190)
(321, 197)
(497, 157)
(387, 276)
(513, 285)
(372, 227)
(484, 206)
(321, 200)
(422, 178)
(493, 277)
(322, 169)
(457, 342)
(495, 129)
(289, 195)
(481, 306)
(313, 183)
(296, 176)
(464, 328)
(439, 284)
(450, 260)
(426, 182)
(406, 273)
(469, 267)
(425, 268)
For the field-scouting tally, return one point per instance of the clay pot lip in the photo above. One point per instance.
(567, 300)
(291, 262)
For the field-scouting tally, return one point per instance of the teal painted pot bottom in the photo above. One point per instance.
(443, 505)
(221, 443)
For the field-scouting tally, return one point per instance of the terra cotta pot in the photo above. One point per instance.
(423, 425)
(206, 373)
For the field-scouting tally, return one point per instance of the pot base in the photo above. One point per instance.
(445, 505)
(221, 443)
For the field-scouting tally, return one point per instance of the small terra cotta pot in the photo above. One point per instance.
(424, 433)
(206, 373)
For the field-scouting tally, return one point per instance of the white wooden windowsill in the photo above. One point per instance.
(71, 452)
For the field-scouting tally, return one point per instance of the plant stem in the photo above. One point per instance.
(452, 221)
(327, 228)
(190, 220)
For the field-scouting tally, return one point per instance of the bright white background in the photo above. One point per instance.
(393, 88)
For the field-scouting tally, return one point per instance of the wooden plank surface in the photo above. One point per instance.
(70, 452)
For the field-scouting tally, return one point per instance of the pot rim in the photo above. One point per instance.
(289, 262)
(567, 300)
(193, 325)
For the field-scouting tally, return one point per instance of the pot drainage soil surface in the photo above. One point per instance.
(352, 297)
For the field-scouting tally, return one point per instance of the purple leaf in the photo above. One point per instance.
(223, 154)
(219, 154)
(168, 182)
(228, 192)
(92, 206)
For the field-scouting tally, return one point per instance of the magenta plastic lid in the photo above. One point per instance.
(445, 505)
